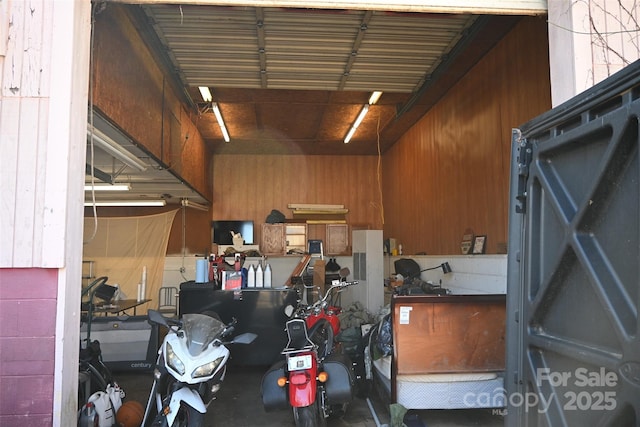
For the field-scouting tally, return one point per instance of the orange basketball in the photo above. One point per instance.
(130, 414)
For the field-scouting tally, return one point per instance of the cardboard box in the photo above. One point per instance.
(231, 280)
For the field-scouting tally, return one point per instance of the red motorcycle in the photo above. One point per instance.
(315, 378)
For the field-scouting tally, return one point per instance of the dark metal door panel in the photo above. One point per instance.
(573, 282)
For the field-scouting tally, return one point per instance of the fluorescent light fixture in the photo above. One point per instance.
(360, 117)
(194, 205)
(107, 187)
(116, 150)
(349, 135)
(158, 202)
(206, 94)
(355, 125)
(374, 97)
(223, 128)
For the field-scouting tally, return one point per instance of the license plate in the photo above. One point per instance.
(295, 363)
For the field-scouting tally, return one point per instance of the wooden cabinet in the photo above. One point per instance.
(337, 239)
(272, 241)
(283, 238)
(287, 238)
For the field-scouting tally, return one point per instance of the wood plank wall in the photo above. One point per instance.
(132, 91)
(451, 171)
(250, 186)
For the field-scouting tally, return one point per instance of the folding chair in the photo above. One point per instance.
(168, 301)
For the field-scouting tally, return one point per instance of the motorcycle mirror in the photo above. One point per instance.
(156, 317)
(344, 272)
(246, 338)
(288, 310)
(228, 331)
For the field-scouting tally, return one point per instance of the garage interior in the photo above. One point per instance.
(435, 146)
(429, 161)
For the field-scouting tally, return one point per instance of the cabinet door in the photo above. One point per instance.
(337, 236)
(272, 241)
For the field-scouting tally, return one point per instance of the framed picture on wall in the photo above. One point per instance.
(467, 242)
(479, 243)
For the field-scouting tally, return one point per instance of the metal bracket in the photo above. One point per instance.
(525, 155)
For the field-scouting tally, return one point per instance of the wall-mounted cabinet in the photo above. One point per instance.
(292, 238)
(337, 239)
(272, 241)
(283, 239)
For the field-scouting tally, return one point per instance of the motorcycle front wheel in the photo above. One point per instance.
(309, 416)
(187, 417)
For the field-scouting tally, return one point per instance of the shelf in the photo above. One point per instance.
(295, 237)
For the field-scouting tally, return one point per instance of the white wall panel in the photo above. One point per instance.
(471, 274)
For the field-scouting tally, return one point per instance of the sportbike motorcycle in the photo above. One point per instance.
(190, 369)
(316, 377)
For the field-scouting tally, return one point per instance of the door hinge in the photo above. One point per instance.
(524, 160)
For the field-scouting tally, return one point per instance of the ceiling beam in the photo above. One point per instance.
(364, 24)
(262, 45)
(102, 176)
(496, 7)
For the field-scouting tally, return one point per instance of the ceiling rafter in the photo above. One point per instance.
(354, 49)
(262, 46)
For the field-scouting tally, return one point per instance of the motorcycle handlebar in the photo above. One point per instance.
(339, 285)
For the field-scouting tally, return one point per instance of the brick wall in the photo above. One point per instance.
(27, 345)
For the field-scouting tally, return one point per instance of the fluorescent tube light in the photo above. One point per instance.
(115, 149)
(107, 187)
(349, 135)
(360, 117)
(223, 128)
(206, 94)
(355, 125)
(159, 202)
(374, 97)
(195, 205)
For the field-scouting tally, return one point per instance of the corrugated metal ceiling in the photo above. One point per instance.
(277, 48)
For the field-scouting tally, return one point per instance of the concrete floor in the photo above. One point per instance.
(239, 405)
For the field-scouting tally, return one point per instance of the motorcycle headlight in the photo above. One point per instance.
(207, 369)
(173, 360)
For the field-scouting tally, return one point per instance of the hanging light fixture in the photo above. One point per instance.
(207, 97)
(355, 125)
(206, 93)
(223, 128)
(375, 96)
(104, 142)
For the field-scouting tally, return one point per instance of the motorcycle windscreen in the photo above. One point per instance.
(200, 331)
